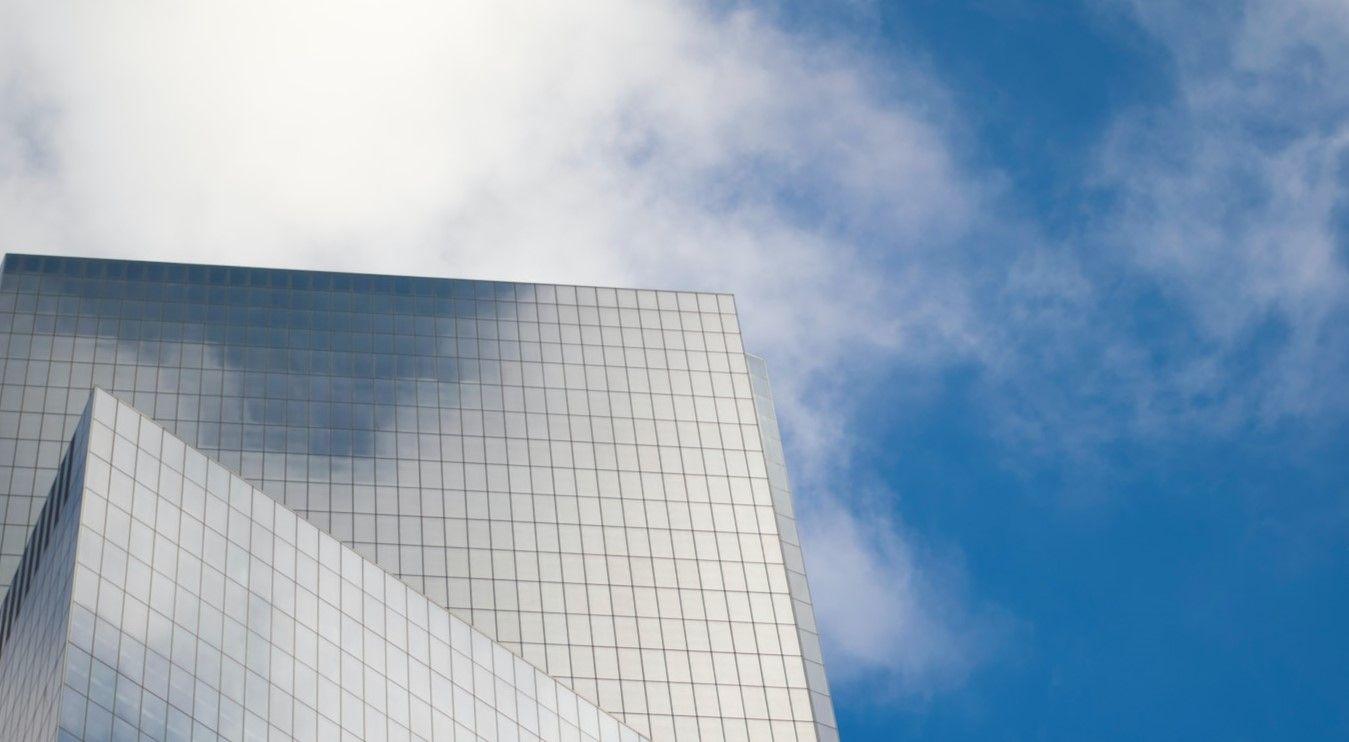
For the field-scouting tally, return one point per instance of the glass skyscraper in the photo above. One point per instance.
(590, 478)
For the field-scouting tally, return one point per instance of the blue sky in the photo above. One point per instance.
(1184, 580)
(1055, 296)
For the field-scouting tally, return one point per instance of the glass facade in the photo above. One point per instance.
(35, 613)
(200, 609)
(591, 477)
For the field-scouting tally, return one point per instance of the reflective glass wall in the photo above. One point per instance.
(579, 472)
(200, 609)
(35, 612)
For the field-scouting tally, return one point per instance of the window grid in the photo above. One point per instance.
(579, 472)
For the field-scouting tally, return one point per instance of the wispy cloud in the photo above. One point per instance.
(900, 618)
(1233, 200)
(1205, 289)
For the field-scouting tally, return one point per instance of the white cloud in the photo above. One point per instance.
(893, 606)
(599, 142)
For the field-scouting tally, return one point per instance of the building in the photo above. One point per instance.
(163, 597)
(591, 478)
